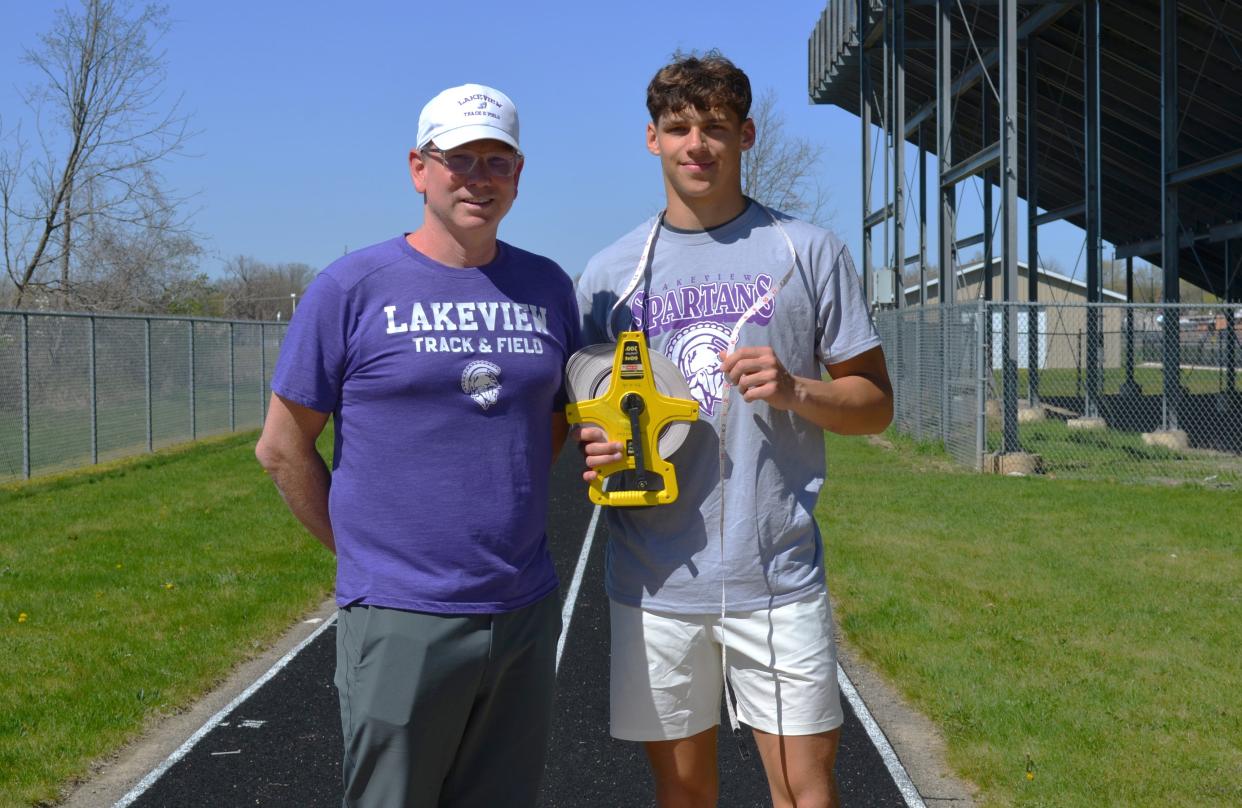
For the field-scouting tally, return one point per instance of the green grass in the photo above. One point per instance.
(142, 585)
(1083, 629)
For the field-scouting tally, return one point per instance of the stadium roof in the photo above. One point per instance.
(1210, 110)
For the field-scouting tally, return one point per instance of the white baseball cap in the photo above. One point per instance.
(467, 113)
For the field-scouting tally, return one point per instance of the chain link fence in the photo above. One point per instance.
(1138, 392)
(80, 388)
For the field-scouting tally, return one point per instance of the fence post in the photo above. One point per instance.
(1130, 387)
(983, 358)
(193, 413)
(947, 312)
(1130, 383)
(262, 374)
(26, 396)
(94, 395)
(1032, 356)
(1009, 378)
(1078, 371)
(916, 394)
(147, 361)
(232, 405)
(1231, 347)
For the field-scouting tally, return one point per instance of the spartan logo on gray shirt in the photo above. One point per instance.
(481, 381)
(696, 351)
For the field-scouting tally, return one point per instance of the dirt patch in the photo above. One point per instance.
(881, 441)
(915, 460)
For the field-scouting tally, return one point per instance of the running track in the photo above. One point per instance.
(279, 743)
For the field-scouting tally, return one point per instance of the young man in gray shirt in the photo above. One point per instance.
(752, 306)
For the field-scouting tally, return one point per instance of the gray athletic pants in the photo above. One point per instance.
(443, 711)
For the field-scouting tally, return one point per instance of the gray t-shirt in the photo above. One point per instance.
(669, 557)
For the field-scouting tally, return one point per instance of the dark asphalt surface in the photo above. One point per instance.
(282, 747)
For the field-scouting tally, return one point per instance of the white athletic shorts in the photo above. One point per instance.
(666, 672)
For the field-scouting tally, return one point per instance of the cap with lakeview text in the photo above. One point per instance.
(467, 113)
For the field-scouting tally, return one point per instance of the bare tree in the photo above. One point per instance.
(135, 269)
(779, 170)
(102, 129)
(254, 290)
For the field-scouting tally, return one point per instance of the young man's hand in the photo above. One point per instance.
(596, 449)
(857, 400)
(758, 375)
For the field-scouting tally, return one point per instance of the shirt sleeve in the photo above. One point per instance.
(311, 365)
(595, 306)
(846, 329)
(572, 339)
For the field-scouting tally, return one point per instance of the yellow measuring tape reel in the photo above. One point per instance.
(641, 401)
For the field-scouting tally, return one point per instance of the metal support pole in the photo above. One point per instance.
(26, 396)
(944, 150)
(945, 216)
(984, 320)
(899, 153)
(1091, 135)
(193, 391)
(1231, 322)
(262, 374)
(94, 397)
(1032, 220)
(986, 177)
(1130, 386)
(864, 106)
(918, 373)
(1170, 243)
(986, 291)
(232, 397)
(887, 126)
(920, 335)
(922, 220)
(988, 235)
(1008, 131)
(147, 362)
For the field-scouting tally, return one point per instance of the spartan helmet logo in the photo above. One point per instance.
(481, 381)
(696, 350)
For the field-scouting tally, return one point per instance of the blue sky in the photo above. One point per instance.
(307, 112)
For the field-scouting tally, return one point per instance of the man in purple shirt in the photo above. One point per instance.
(439, 355)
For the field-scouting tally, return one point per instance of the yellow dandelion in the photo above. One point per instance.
(168, 586)
(21, 618)
(118, 566)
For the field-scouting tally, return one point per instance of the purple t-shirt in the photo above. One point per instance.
(442, 382)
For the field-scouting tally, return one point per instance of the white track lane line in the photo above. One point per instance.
(158, 771)
(900, 777)
(571, 597)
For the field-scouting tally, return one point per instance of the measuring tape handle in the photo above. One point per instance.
(632, 405)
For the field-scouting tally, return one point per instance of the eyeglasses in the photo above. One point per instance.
(464, 162)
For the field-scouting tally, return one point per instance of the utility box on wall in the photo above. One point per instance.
(885, 288)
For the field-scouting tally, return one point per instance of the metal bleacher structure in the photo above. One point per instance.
(1123, 118)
